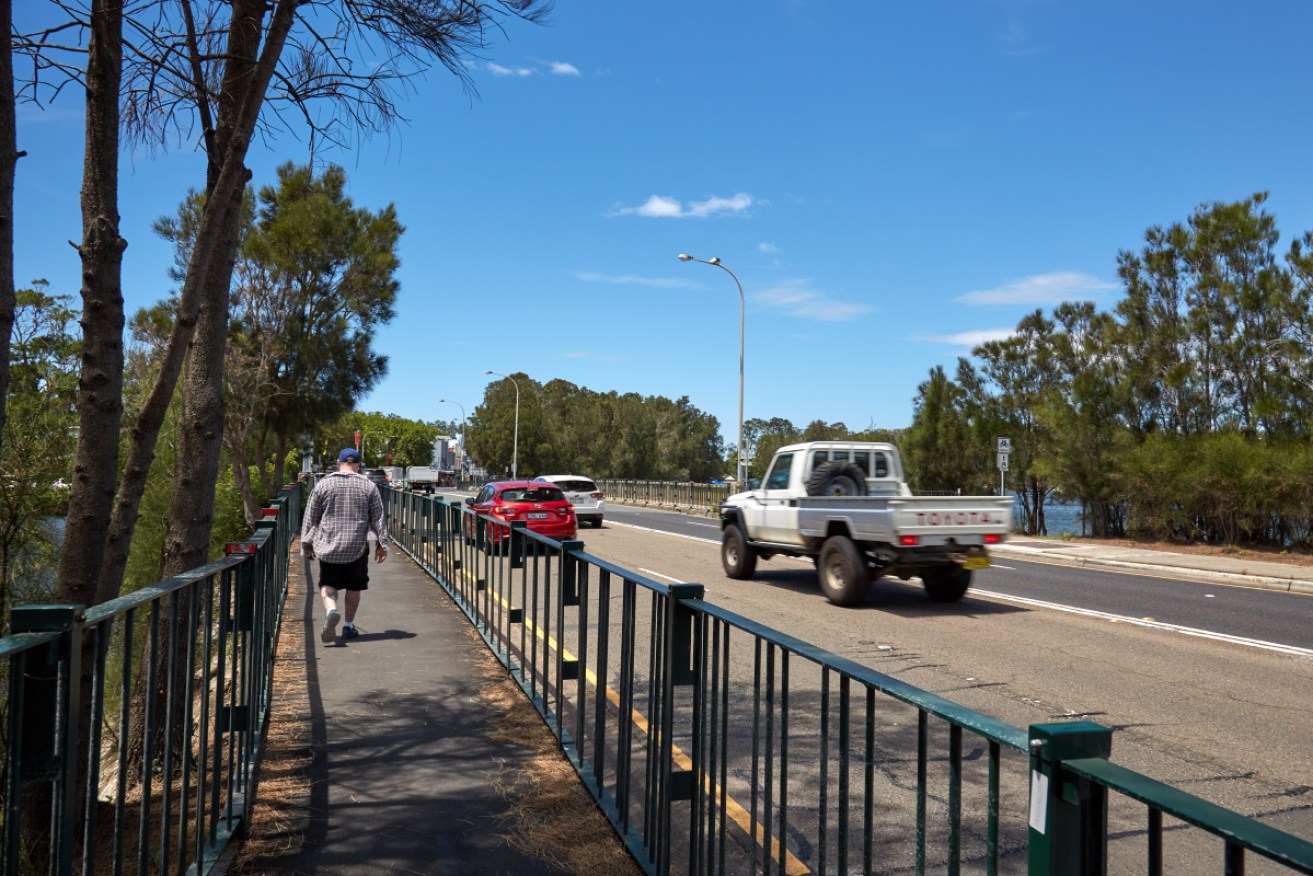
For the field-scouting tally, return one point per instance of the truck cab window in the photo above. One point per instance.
(881, 466)
(862, 460)
(778, 479)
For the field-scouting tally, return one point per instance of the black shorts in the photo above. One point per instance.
(345, 576)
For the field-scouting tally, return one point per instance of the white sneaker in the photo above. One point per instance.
(329, 632)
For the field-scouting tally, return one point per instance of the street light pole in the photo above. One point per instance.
(685, 257)
(515, 446)
(464, 425)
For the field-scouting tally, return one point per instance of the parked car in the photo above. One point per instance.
(542, 506)
(588, 501)
(378, 476)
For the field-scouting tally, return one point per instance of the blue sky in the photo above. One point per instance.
(891, 182)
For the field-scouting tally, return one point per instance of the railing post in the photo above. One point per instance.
(679, 669)
(51, 719)
(517, 540)
(569, 588)
(1068, 814)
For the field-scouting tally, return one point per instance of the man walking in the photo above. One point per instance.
(343, 509)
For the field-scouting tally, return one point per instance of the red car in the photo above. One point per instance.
(542, 506)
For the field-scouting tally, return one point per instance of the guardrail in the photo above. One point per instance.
(714, 744)
(133, 728)
(704, 498)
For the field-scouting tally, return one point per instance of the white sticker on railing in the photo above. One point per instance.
(1039, 796)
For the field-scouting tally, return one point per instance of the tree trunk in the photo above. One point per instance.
(9, 155)
(100, 386)
(209, 278)
(242, 478)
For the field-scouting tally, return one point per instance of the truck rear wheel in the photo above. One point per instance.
(739, 560)
(842, 570)
(946, 583)
(837, 479)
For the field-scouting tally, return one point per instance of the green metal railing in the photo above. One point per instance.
(714, 744)
(133, 728)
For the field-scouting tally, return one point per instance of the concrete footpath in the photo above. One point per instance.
(1217, 568)
(406, 771)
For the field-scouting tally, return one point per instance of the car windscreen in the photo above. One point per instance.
(533, 494)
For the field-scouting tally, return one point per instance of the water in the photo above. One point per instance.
(1059, 517)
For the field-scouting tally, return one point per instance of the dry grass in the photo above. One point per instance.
(549, 814)
(281, 814)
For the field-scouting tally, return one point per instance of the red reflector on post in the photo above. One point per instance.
(909, 540)
(269, 512)
(993, 538)
(239, 547)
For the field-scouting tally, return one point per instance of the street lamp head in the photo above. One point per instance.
(714, 260)
(685, 257)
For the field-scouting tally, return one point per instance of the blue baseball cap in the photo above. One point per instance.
(349, 455)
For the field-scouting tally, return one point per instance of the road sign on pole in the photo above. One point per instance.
(1002, 462)
(1005, 445)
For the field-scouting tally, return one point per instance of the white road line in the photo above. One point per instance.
(1152, 624)
(659, 575)
(663, 532)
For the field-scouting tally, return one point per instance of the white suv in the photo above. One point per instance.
(583, 495)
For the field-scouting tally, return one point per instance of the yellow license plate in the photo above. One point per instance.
(976, 563)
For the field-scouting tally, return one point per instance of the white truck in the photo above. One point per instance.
(423, 478)
(845, 505)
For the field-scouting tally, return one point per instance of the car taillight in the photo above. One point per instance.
(993, 538)
(909, 540)
(503, 511)
(596, 495)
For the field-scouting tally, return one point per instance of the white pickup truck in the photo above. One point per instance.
(846, 505)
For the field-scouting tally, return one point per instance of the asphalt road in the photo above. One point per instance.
(1212, 708)
(1256, 616)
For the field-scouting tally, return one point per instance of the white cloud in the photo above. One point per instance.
(664, 207)
(519, 72)
(1052, 288)
(767, 247)
(535, 68)
(632, 280)
(711, 206)
(969, 340)
(660, 207)
(798, 298)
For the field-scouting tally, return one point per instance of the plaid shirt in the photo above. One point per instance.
(344, 508)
